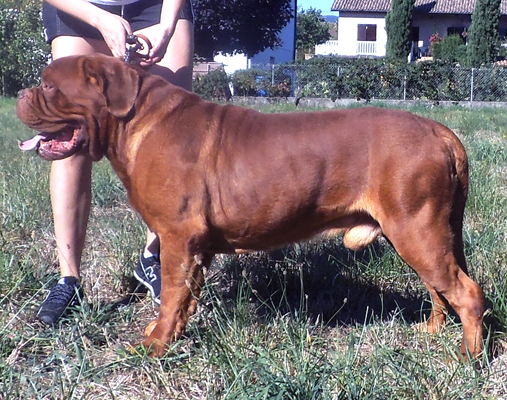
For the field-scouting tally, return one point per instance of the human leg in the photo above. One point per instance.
(70, 189)
(70, 186)
(177, 64)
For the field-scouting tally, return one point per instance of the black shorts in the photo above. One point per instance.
(141, 14)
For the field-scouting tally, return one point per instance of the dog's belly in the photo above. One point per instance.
(280, 221)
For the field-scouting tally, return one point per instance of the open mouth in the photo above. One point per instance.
(55, 145)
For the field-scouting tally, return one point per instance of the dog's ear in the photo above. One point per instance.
(118, 82)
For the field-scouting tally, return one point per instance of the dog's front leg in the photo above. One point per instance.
(182, 279)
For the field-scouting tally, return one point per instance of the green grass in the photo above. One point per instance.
(311, 321)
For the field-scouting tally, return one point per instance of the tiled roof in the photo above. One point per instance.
(361, 5)
(424, 6)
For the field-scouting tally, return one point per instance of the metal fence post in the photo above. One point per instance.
(472, 86)
(405, 87)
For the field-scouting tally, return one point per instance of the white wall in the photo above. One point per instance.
(347, 34)
(232, 63)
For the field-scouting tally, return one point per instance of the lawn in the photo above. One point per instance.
(311, 321)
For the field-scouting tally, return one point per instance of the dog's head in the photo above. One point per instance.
(76, 95)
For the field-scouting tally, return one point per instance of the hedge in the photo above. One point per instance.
(363, 78)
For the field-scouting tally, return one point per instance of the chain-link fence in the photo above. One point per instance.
(423, 81)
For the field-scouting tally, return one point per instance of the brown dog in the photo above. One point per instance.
(220, 179)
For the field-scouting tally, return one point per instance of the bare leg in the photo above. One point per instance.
(70, 179)
(177, 64)
(152, 242)
(70, 188)
(70, 183)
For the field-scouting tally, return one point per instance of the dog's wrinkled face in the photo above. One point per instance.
(75, 94)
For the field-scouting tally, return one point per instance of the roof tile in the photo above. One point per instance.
(423, 6)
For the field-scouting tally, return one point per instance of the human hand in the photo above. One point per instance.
(159, 38)
(114, 30)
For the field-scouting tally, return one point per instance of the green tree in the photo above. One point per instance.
(484, 38)
(240, 26)
(399, 28)
(23, 51)
(312, 30)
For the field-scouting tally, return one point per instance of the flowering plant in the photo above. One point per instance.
(435, 40)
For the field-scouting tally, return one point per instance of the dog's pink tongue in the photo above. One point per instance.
(30, 144)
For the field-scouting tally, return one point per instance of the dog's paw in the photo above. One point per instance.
(427, 327)
(155, 347)
(149, 329)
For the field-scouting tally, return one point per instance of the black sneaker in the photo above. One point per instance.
(66, 293)
(147, 272)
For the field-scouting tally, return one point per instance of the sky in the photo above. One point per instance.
(324, 5)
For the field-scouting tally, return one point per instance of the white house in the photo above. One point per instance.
(361, 24)
(283, 53)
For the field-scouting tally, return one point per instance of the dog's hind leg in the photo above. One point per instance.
(439, 310)
(426, 242)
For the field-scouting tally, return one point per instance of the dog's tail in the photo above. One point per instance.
(460, 175)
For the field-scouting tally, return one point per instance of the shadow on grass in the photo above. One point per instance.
(334, 285)
(321, 280)
(327, 282)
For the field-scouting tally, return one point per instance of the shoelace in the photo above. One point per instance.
(150, 262)
(61, 293)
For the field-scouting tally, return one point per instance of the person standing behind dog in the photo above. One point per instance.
(81, 27)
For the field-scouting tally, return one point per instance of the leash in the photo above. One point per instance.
(138, 46)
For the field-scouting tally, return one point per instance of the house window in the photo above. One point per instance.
(454, 30)
(366, 33)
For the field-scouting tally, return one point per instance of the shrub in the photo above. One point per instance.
(489, 84)
(435, 40)
(23, 51)
(372, 78)
(319, 77)
(452, 50)
(213, 86)
(360, 78)
(244, 82)
(272, 82)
